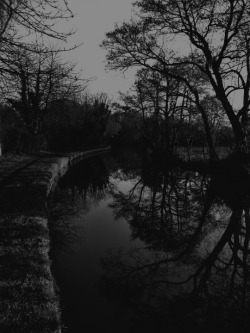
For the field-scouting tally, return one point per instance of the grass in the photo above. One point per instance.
(28, 301)
(201, 153)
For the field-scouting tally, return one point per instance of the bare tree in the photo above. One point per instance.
(31, 25)
(32, 73)
(38, 16)
(34, 81)
(162, 103)
(216, 34)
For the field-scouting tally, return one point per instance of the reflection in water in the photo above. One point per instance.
(178, 256)
(82, 188)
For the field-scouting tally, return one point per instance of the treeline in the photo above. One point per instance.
(67, 125)
(131, 129)
(94, 120)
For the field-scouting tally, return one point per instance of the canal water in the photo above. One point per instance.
(139, 246)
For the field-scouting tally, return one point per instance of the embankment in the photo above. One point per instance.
(28, 297)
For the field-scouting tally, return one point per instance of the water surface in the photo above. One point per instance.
(138, 246)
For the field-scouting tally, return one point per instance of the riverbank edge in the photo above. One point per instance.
(29, 300)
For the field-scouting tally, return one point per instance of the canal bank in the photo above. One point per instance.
(28, 295)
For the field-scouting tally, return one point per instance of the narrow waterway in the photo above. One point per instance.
(84, 229)
(133, 248)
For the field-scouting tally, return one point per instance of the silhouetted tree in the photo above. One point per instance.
(36, 80)
(26, 28)
(74, 125)
(162, 105)
(216, 36)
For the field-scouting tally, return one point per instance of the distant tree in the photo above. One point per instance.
(114, 125)
(74, 125)
(124, 126)
(10, 125)
(161, 102)
(217, 55)
(35, 80)
(99, 111)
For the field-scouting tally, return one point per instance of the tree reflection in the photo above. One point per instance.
(78, 191)
(83, 186)
(89, 176)
(194, 256)
(163, 206)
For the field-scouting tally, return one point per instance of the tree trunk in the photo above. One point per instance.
(212, 152)
(240, 142)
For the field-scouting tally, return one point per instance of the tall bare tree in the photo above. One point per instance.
(216, 35)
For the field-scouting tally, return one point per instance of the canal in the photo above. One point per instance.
(139, 246)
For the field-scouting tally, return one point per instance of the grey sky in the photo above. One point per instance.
(94, 18)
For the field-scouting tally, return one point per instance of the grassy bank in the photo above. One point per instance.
(28, 301)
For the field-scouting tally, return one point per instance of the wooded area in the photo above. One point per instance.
(203, 78)
(188, 216)
(191, 87)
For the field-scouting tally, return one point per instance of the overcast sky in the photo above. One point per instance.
(94, 18)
